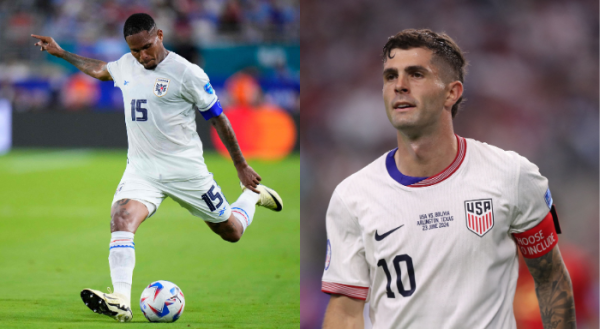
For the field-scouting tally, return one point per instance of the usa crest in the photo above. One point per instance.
(161, 86)
(479, 215)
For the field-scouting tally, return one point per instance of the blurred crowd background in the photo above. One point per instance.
(532, 87)
(256, 37)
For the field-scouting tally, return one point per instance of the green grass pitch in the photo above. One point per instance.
(54, 236)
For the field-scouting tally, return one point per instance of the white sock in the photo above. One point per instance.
(243, 208)
(121, 259)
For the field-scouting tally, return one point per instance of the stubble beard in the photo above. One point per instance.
(405, 122)
(415, 124)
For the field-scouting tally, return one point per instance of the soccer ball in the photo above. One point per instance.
(162, 301)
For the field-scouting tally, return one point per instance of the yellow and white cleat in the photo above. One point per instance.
(113, 304)
(268, 198)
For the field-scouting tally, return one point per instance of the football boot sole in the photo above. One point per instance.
(99, 305)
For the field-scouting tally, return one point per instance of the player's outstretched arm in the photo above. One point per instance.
(247, 175)
(344, 312)
(92, 67)
(553, 289)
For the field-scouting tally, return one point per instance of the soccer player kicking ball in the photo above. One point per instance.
(161, 92)
(428, 233)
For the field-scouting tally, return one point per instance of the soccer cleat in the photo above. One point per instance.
(113, 305)
(268, 198)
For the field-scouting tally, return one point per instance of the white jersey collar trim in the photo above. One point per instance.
(444, 174)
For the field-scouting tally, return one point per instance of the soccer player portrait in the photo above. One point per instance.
(162, 92)
(428, 234)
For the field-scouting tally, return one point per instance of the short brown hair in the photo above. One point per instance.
(442, 46)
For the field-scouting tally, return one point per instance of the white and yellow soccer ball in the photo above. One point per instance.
(162, 301)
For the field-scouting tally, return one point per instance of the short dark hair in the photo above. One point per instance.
(137, 23)
(442, 46)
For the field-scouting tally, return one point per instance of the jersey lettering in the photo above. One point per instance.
(539, 240)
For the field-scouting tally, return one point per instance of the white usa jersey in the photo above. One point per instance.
(438, 253)
(160, 107)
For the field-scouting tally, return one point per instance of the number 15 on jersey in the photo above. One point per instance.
(136, 107)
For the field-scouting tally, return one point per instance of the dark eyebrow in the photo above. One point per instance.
(145, 46)
(408, 69)
(390, 70)
(415, 68)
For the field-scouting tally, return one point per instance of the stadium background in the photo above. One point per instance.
(532, 87)
(69, 152)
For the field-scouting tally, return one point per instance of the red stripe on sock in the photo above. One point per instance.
(246, 218)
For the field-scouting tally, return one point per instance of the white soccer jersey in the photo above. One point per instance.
(160, 115)
(438, 253)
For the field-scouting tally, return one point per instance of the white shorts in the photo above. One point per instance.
(201, 197)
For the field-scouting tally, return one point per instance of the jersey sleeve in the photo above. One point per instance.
(115, 68)
(196, 89)
(346, 268)
(534, 200)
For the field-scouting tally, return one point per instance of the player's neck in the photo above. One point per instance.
(426, 155)
(163, 54)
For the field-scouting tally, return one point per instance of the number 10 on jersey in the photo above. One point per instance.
(411, 276)
(136, 107)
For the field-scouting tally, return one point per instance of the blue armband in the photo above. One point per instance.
(214, 111)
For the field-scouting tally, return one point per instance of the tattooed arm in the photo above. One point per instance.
(92, 67)
(553, 289)
(247, 175)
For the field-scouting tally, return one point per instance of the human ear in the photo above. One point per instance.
(455, 91)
